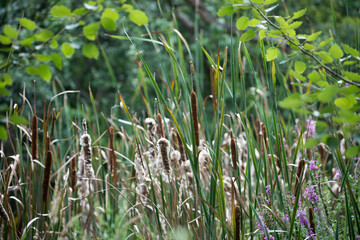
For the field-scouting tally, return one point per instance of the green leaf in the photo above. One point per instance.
(16, 119)
(350, 50)
(352, 151)
(313, 36)
(90, 31)
(315, 77)
(80, 11)
(258, 1)
(262, 34)
(60, 11)
(90, 51)
(242, 23)
(10, 31)
(347, 117)
(325, 42)
(310, 143)
(272, 53)
(297, 75)
(346, 102)
(67, 49)
(328, 93)
(299, 14)
(44, 35)
(295, 24)
(127, 8)
(57, 60)
(352, 76)
(45, 72)
(108, 19)
(247, 36)
(253, 22)
(300, 67)
(293, 101)
(268, 2)
(5, 40)
(350, 89)
(42, 58)
(7, 79)
(32, 70)
(3, 133)
(27, 23)
(336, 51)
(309, 47)
(325, 57)
(138, 17)
(54, 43)
(228, 10)
(4, 91)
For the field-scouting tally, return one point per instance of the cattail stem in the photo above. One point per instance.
(195, 118)
(237, 222)
(46, 179)
(299, 174)
(34, 137)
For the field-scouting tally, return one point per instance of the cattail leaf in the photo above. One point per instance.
(60, 11)
(138, 17)
(27, 23)
(10, 31)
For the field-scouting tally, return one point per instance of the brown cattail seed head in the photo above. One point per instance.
(299, 173)
(263, 128)
(164, 150)
(233, 153)
(237, 222)
(195, 117)
(46, 179)
(47, 144)
(160, 128)
(112, 156)
(311, 220)
(34, 137)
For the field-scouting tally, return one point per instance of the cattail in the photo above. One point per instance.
(160, 128)
(112, 156)
(311, 220)
(3, 214)
(265, 134)
(46, 179)
(322, 153)
(213, 87)
(34, 137)
(151, 127)
(237, 222)
(299, 173)
(195, 117)
(233, 153)
(47, 143)
(164, 150)
(181, 148)
(73, 171)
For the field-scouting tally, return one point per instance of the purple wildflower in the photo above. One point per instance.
(312, 195)
(310, 127)
(303, 219)
(268, 189)
(284, 140)
(262, 228)
(312, 165)
(337, 174)
(285, 218)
